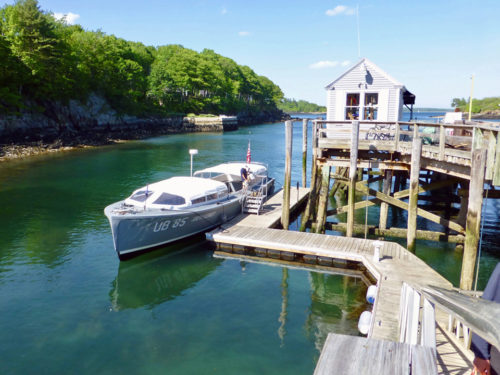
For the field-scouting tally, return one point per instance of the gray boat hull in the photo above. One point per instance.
(135, 230)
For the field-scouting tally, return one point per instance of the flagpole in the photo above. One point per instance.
(471, 93)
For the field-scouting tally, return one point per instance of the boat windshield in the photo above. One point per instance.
(141, 195)
(170, 199)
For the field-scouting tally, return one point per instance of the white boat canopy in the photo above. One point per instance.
(232, 168)
(178, 193)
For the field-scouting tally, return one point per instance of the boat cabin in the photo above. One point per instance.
(178, 192)
(230, 174)
(367, 93)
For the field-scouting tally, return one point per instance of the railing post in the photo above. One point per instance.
(428, 334)
(442, 140)
(415, 131)
(396, 137)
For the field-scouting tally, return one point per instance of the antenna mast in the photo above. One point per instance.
(359, 42)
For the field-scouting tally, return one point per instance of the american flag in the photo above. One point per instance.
(249, 154)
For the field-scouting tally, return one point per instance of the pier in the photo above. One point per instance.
(419, 324)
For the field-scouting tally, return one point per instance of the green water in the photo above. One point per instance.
(67, 305)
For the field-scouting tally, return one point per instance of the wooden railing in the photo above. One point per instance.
(450, 143)
(466, 313)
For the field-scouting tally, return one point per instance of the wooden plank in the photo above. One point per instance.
(425, 214)
(367, 356)
(427, 187)
(423, 360)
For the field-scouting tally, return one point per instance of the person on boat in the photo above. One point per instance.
(244, 176)
(486, 357)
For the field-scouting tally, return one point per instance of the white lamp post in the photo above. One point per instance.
(192, 152)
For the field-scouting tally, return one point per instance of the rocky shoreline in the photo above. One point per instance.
(37, 141)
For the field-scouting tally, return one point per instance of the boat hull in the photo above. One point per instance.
(134, 231)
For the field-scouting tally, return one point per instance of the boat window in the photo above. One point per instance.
(202, 174)
(198, 200)
(237, 185)
(223, 194)
(170, 199)
(212, 197)
(141, 195)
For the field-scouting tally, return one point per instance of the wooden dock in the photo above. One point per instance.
(252, 236)
(271, 211)
(408, 331)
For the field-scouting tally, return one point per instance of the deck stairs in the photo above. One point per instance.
(254, 202)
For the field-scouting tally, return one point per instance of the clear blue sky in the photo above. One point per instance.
(432, 47)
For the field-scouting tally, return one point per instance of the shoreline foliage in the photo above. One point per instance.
(44, 59)
(299, 106)
(478, 105)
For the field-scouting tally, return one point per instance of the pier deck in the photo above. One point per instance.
(252, 235)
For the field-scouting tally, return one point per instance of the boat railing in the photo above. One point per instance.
(466, 312)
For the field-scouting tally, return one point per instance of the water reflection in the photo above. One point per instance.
(152, 279)
(336, 301)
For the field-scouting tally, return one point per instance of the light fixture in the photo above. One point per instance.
(192, 152)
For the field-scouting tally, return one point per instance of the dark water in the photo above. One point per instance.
(67, 305)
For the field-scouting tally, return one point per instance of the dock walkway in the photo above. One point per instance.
(252, 235)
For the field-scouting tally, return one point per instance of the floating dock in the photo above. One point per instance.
(256, 236)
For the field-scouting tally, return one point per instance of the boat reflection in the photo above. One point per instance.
(152, 279)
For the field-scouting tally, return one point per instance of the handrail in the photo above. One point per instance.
(480, 315)
(485, 126)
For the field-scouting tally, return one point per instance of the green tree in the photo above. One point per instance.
(33, 40)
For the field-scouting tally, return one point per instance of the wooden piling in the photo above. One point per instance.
(285, 218)
(352, 177)
(384, 206)
(472, 230)
(306, 215)
(413, 199)
(304, 152)
(323, 199)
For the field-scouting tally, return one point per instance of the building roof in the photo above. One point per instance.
(408, 97)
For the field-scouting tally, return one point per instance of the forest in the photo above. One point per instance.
(44, 59)
(478, 105)
(300, 106)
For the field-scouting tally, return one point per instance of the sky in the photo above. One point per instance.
(432, 47)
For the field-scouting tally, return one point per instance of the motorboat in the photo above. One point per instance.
(179, 207)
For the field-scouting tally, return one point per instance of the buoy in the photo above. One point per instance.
(371, 293)
(364, 322)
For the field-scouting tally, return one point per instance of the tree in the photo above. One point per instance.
(32, 38)
(458, 103)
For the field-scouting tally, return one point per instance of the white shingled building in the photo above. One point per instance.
(365, 92)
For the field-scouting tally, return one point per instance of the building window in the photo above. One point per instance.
(352, 107)
(371, 107)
